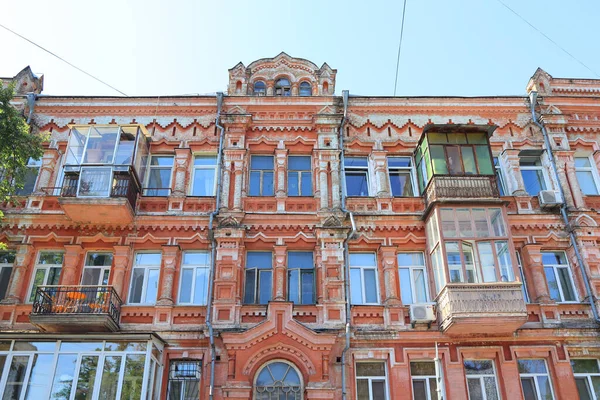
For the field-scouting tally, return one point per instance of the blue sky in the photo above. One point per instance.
(460, 47)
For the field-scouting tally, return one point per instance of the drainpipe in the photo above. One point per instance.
(31, 98)
(563, 208)
(350, 235)
(213, 250)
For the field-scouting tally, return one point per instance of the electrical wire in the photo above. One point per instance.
(400, 46)
(547, 37)
(63, 60)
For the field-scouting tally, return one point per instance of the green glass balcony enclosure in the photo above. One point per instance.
(454, 162)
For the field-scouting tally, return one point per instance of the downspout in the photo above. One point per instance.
(563, 208)
(350, 235)
(31, 98)
(213, 250)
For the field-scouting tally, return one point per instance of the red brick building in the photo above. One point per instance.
(282, 241)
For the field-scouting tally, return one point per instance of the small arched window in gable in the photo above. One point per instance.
(305, 89)
(325, 88)
(283, 87)
(260, 89)
(238, 87)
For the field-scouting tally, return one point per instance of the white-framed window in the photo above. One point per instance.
(481, 380)
(31, 174)
(364, 288)
(7, 260)
(535, 380)
(558, 277)
(184, 379)
(357, 176)
(301, 277)
(424, 380)
(193, 286)
(299, 176)
(47, 271)
(160, 170)
(402, 177)
(587, 175)
(535, 177)
(259, 277)
(261, 176)
(500, 177)
(371, 381)
(413, 278)
(204, 176)
(587, 378)
(260, 88)
(96, 270)
(144, 278)
(523, 281)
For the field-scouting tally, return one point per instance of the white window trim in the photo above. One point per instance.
(588, 377)
(411, 271)
(34, 164)
(499, 169)
(203, 167)
(299, 172)
(535, 376)
(481, 377)
(367, 169)
(147, 268)
(593, 169)
(151, 167)
(426, 378)
(102, 268)
(193, 267)
(540, 167)
(39, 266)
(362, 269)
(523, 279)
(557, 276)
(311, 269)
(412, 171)
(257, 280)
(373, 378)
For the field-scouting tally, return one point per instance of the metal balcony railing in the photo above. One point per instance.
(88, 300)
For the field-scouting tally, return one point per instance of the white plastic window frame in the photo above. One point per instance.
(588, 378)
(593, 169)
(203, 167)
(363, 290)
(45, 267)
(499, 170)
(151, 167)
(370, 379)
(147, 268)
(535, 381)
(300, 173)
(523, 280)
(566, 266)
(193, 267)
(37, 165)
(411, 271)
(103, 268)
(541, 167)
(412, 171)
(481, 378)
(367, 171)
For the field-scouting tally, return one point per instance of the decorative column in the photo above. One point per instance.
(509, 159)
(270, 87)
(169, 259)
(295, 87)
(279, 272)
(335, 183)
(49, 162)
(17, 279)
(564, 163)
(280, 175)
(182, 164)
(323, 187)
(390, 275)
(381, 181)
(121, 261)
(534, 272)
(238, 182)
(225, 184)
(71, 262)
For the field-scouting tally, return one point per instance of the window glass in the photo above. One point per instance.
(499, 177)
(468, 158)
(204, 176)
(184, 380)
(481, 379)
(400, 172)
(47, 271)
(299, 176)
(586, 175)
(532, 174)
(357, 182)
(412, 278)
(558, 277)
(371, 381)
(305, 89)
(363, 278)
(193, 288)
(535, 380)
(424, 381)
(261, 176)
(32, 171)
(587, 378)
(258, 277)
(301, 279)
(159, 176)
(144, 278)
(260, 89)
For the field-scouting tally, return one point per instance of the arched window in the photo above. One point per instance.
(305, 89)
(325, 88)
(238, 87)
(283, 87)
(278, 380)
(260, 89)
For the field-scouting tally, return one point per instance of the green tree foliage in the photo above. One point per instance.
(17, 144)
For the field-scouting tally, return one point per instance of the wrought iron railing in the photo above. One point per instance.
(77, 300)
(445, 187)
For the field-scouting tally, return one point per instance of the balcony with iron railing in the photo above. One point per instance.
(76, 309)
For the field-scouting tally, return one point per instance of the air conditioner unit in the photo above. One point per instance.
(421, 313)
(550, 198)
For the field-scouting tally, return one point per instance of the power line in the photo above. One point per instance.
(63, 60)
(399, 46)
(547, 37)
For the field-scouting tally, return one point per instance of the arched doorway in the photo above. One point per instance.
(278, 380)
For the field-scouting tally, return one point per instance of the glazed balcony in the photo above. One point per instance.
(76, 309)
(481, 308)
(461, 188)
